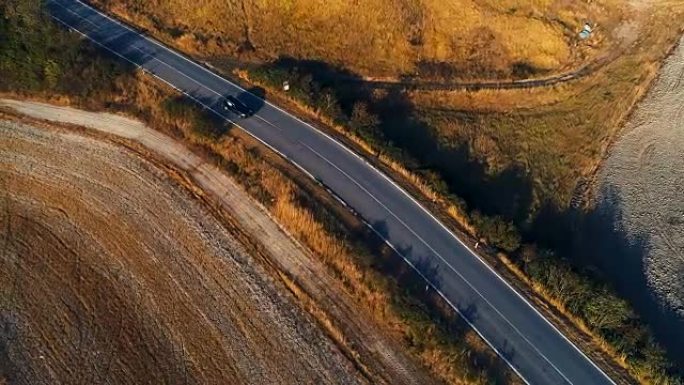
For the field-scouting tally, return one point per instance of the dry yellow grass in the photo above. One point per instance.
(558, 135)
(379, 38)
(301, 215)
(415, 180)
(455, 27)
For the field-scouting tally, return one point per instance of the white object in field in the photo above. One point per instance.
(586, 32)
(286, 86)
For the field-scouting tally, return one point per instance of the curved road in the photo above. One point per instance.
(538, 352)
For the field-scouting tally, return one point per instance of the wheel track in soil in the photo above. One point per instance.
(386, 362)
(61, 299)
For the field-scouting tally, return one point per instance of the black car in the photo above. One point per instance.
(237, 107)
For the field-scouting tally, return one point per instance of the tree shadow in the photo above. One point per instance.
(424, 299)
(507, 193)
(399, 130)
(315, 77)
(596, 241)
(413, 271)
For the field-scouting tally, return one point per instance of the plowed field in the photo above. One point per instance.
(111, 273)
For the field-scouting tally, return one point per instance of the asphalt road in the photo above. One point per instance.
(538, 352)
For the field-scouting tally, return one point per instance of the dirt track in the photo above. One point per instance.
(111, 273)
(641, 182)
(381, 359)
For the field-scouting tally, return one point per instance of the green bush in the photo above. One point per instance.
(36, 55)
(497, 231)
(605, 313)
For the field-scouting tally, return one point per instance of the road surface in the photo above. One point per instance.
(533, 347)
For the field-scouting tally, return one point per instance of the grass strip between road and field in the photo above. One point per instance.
(43, 62)
(535, 272)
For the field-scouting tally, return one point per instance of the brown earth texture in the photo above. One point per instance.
(641, 205)
(112, 273)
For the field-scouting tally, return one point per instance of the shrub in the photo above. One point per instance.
(497, 231)
(201, 124)
(603, 312)
(363, 120)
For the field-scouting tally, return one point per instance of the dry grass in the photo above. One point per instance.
(387, 37)
(305, 218)
(556, 135)
(454, 30)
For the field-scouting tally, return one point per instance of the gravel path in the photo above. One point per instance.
(643, 181)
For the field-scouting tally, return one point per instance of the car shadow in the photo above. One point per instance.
(254, 98)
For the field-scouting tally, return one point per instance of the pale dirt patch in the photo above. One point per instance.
(643, 178)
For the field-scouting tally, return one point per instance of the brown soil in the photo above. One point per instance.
(640, 196)
(377, 355)
(111, 273)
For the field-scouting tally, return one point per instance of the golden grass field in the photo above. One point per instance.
(383, 37)
(556, 135)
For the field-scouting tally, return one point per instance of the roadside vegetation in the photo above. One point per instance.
(512, 167)
(36, 56)
(83, 76)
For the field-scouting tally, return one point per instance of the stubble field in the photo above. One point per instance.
(109, 271)
(640, 196)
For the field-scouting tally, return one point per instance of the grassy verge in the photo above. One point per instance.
(572, 291)
(41, 61)
(427, 330)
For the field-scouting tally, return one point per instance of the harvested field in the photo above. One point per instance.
(640, 198)
(374, 352)
(112, 273)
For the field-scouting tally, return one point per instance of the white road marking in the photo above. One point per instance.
(398, 187)
(437, 254)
